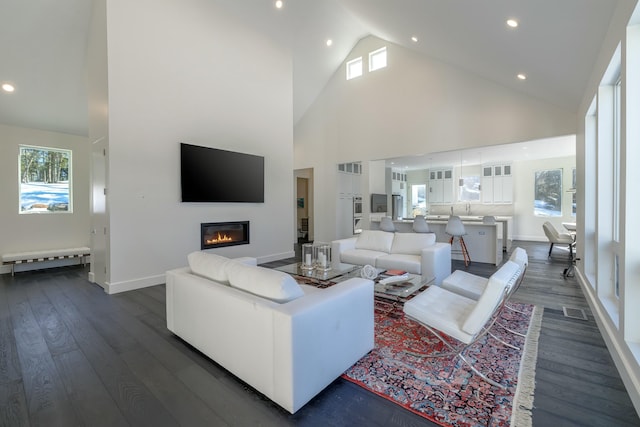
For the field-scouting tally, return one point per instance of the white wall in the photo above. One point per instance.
(22, 233)
(191, 72)
(526, 225)
(414, 106)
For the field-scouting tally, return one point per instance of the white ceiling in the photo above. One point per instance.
(43, 43)
(563, 146)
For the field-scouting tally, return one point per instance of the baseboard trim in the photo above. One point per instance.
(530, 238)
(622, 356)
(131, 285)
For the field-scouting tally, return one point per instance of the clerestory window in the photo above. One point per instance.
(354, 68)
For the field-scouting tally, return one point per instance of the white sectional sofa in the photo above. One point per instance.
(286, 340)
(416, 253)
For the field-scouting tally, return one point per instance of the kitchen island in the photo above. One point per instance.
(506, 221)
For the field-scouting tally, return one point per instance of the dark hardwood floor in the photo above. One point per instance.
(72, 355)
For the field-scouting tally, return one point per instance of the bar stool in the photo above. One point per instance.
(420, 225)
(455, 229)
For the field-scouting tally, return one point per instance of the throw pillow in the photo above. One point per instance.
(210, 266)
(264, 282)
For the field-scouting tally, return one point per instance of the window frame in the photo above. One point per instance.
(373, 55)
(539, 205)
(53, 206)
(349, 69)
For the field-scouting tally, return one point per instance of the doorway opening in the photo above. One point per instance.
(304, 205)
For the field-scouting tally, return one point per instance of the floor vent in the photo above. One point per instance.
(574, 313)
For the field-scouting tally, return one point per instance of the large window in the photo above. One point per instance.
(470, 189)
(616, 157)
(45, 177)
(548, 193)
(418, 199)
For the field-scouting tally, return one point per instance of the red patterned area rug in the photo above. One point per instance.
(443, 389)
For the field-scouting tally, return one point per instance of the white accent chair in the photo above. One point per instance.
(455, 229)
(555, 236)
(472, 286)
(445, 312)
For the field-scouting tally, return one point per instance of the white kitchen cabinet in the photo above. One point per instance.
(497, 183)
(350, 179)
(487, 184)
(440, 186)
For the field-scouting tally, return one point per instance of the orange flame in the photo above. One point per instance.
(219, 239)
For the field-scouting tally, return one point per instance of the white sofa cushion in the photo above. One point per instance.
(411, 243)
(375, 240)
(214, 267)
(264, 282)
(443, 310)
(210, 266)
(361, 256)
(465, 284)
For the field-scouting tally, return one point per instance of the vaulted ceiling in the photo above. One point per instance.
(43, 47)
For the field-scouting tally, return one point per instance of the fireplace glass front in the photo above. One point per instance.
(220, 234)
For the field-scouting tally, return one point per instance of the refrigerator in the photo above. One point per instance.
(397, 207)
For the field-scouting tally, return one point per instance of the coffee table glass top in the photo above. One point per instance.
(401, 290)
(335, 271)
(398, 291)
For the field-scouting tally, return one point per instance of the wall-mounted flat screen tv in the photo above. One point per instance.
(378, 203)
(214, 175)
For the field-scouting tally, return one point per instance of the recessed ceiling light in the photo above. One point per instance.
(8, 87)
(279, 4)
(522, 76)
(329, 42)
(512, 23)
(414, 39)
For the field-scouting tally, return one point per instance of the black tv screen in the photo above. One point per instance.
(213, 175)
(378, 203)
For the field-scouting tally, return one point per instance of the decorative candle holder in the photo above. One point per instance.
(308, 259)
(323, 257)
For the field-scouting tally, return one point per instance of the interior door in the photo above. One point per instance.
(99, 231)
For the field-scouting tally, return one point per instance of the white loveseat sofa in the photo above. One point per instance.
(286, 340)
(416, 253)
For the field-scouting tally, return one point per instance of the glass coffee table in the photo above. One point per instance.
(321, 278)
(395, 292)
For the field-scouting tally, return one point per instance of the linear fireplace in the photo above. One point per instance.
(219, 234)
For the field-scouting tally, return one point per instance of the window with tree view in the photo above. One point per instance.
(45, 177)
(548, 193)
